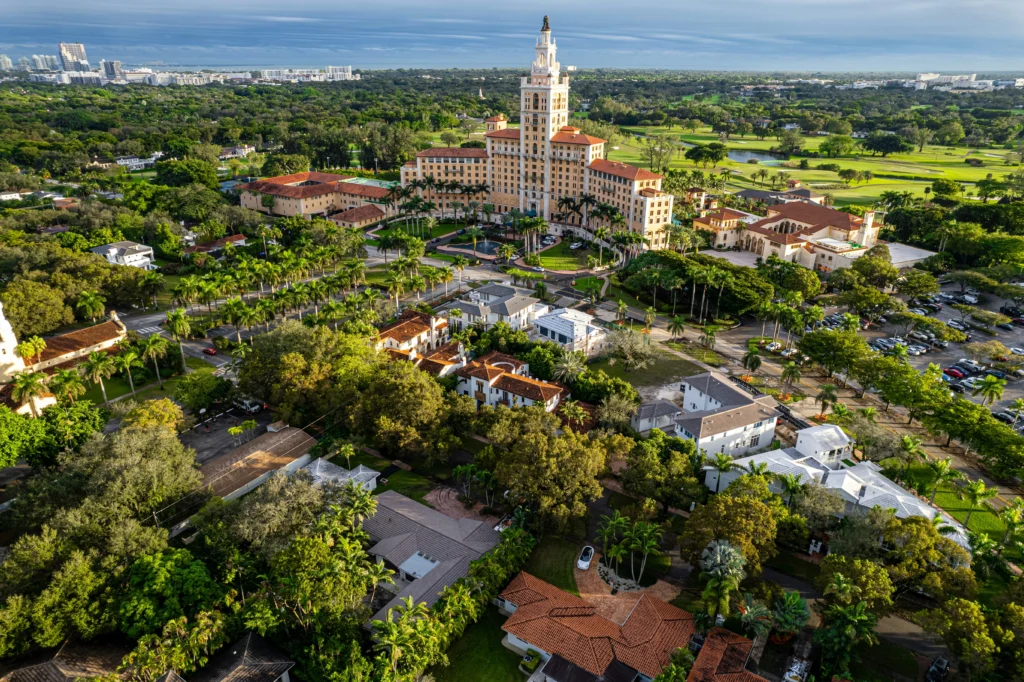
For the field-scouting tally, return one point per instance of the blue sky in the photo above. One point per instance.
(805, 35)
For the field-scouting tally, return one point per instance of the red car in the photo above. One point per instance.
(954, 372)
(210, 351)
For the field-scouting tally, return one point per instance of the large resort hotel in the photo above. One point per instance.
(531, 167)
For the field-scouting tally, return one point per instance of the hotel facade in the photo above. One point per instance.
(531, 167)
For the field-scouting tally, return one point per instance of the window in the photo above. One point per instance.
(755, 440)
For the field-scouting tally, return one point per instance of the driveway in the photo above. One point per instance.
(744, 258)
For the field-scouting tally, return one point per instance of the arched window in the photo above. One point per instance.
(534, 147)
(536, 101)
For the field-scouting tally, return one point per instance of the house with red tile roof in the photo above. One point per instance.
(726, 224)
(577, 644)
(531, 167)
(413, 331)
(498, 379)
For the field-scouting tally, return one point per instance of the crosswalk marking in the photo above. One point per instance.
(150, 330)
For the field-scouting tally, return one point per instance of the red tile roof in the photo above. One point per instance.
(287, 185)
(723, 659)
(775, 237)
(411, 324)
(564, 624)
(360, 190)
(359, 214)
(497, 359)
(216, 244)
(496, 119)
(526, 387)
(570, 135)
(81, 339)
(308, 176)
(623, 170)
(479, 370)
(454, 153)
(507, 134)
(812, 214)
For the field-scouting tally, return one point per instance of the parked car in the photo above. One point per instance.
(995, 373)
(956, 388)
(938, 670)
(916, 350)
(958, 325)
(939, 343)
(538, 269)
(576, 245)
(954, 372)
(971, 383)
(248, 405)
(1011, 311)
(1004, 417)
(1007, 326)
(1017, 351)
(210, 351)
(969, 299)
(773, 346)
(789, 352)
(1019, 321)
(586, 556)
(921, 336)
(918, 311)
(947, 297)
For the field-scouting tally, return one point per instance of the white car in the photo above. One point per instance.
(576, 245)
(970, 383)
(773, 346)
(586, 556)
(1017, 351)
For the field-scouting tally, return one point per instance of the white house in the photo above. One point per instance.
(239, 152)
(818, 459)
(493, 303)
(497, 379)
(723, 418)
(10, 196)
(127, 253)
(573, 330)
(657, 414)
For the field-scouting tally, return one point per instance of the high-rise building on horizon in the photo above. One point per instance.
(112, 69)
(5, 63)
(45, 62)
(24, 64)
(72, 57)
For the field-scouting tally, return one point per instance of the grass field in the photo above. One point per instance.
(561, 257)
(983, 520)
(664, 369)
(117, 387)
(403, 482)
(553, 561)
(902, 172)
(439, 230)
(478, 655)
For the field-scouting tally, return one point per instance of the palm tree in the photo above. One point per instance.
(67, 383)
(845, 628)
(976, 495)
(460, 263)
(828, 394)
(91, 304)
(717, 595)
(868, 413)
(911, 450)
(96, 368)
(1012, 518)
(790, 375)
(31, 347)
(990, 389)
(180, 329)
(708, 337)
(125, 361)
(647, 543)
(474, 233)
(723, 464)
(601, 234)
(378, 573)
(755, 618)
(791, 486)
(26, 387)
(676, 327)
(154, 348)
(616, 553)
(608, 529)
(752, 360)
(572, 412)
(568, 367)
(790, 613)
(649, 316)
(842, 588)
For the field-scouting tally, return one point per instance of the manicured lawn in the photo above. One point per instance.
(881, 662)
(478, 655)
(584, 283)
(561, 257)
(413, 486)
(117, 387)
(439, 230)
(553, 561)
(164, 298)
(790, 564)
(983, 520)
(665, 368)
(361, 457)
(698, 352)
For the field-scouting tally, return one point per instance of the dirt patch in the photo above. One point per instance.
(446, 500)
(616, 607)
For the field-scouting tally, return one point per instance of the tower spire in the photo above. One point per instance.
(546, 26)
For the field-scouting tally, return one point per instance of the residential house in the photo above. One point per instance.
(822, 457)
(237, 152)
(497, 379)
(250, 659)
(127, 253)
(427, 550)
(573, 330)
(216, 245)
(656, 414)
(413, 331)
(323, 471)
(10, 196)
(576, 643)
(73, 661)
(440, 362)
(723, 418)
(493, 303)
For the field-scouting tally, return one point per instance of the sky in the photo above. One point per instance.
(763, 35)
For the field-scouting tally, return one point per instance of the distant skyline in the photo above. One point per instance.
(763, 35)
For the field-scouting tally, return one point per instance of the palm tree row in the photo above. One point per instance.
(449, 188)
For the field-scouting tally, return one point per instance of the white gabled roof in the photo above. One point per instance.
(569, 322)
(827, 436)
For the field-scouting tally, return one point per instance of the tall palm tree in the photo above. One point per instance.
(67, 383)
(752, 360)
(792, 485)
(790, 375)
(474, 233)
(911, 450)
(154, 348)
(676, 327)
(125, 361)
(26, 387)
(601, 234)
(723, 464)
(96, 368)
(378, 573)
(180, 329)
(91, 304)
(608, 529)
(828, 394)
(976, 495)
(990, 389)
